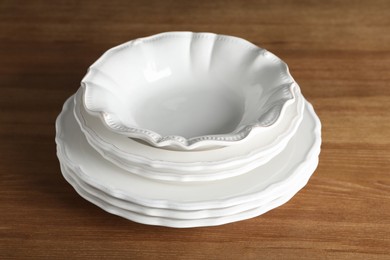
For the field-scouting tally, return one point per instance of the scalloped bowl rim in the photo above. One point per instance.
(177, 141)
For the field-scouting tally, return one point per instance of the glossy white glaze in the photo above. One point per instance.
(275, 176)
(184, 90)
(190, 166)
(183, 219)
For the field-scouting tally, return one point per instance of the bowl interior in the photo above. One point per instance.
(185, 84)
(193, 108)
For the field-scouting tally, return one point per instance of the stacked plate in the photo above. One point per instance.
(186, 129)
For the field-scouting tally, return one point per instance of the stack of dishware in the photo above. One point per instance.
(186, 129)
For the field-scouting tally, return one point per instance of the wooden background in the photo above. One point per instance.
(338, 51)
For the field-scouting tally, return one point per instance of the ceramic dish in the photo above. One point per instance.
(184, 90)
(292, 187)
(190, 166)
(105, 176)
(136, 216)
(180, 223)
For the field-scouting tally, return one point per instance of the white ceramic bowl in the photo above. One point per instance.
(183, 90)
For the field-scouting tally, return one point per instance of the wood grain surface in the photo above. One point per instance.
(339, 53)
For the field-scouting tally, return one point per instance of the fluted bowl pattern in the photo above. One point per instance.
(185, 91)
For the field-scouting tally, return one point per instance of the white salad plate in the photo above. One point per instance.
(151, 88)
(273, 177)
(145, 215)
(216, 164)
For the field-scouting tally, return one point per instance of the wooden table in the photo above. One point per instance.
(339, 53)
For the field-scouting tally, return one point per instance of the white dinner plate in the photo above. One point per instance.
(274, 176)
(136, 216)
(295, 185)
